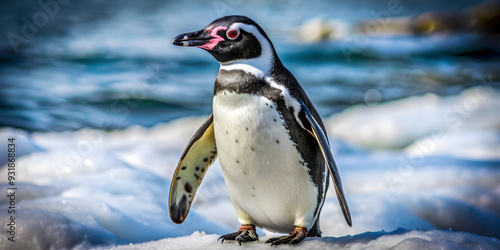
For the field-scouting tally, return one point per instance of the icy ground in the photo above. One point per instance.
(399, 239)
(418, 173)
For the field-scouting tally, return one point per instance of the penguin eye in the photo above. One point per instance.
(232, 34)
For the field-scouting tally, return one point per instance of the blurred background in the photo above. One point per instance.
(110, 64)
(102, 104)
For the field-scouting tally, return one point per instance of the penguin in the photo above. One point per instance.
(272, 145)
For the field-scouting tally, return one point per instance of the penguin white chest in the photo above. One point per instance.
(267, 179)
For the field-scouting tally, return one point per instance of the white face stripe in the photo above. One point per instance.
(260, 66)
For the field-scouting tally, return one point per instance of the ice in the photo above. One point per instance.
(465, 125)
(414, 178)
(82, 190)
(23, 140)
(398, 239)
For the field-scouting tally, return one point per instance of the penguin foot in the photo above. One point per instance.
(245, 233)
(298, 234)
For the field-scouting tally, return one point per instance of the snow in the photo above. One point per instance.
(465, 125)
(398, 239)
(421, 172)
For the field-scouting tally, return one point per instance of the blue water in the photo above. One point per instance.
(110, 64)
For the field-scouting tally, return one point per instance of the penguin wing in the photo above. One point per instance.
(199, 154)
(312, 126)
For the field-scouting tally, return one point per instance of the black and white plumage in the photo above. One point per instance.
(270, 140)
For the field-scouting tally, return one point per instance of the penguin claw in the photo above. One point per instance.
(230, 236)
(244, 234)
(298, 234)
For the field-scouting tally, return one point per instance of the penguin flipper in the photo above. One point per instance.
(312, 126)
(199, 154)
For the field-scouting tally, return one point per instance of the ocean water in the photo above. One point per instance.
(101, 106)
(110, 64)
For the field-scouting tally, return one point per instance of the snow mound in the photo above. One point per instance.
(399, 239)
(465, 125)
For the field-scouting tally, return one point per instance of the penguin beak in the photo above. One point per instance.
(192, 39)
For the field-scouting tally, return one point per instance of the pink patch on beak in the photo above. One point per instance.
(215, 40)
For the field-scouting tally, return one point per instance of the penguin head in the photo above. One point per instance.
(231, 39)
